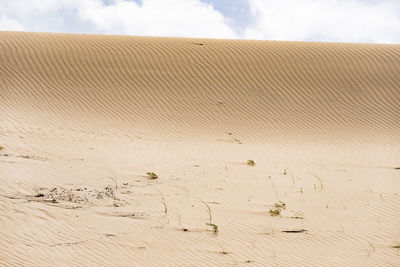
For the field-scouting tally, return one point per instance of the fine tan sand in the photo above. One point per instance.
(83, 118)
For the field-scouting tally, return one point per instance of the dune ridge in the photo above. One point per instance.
(268, 90)
(83, 113)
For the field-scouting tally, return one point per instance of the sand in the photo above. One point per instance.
(85, 117)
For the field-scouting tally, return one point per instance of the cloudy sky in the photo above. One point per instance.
(365, 21)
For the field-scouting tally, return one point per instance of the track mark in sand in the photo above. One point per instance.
(133, 215)
(80, 241)
(8, 161)
(24, 156)
(70, 243)
(232, 139)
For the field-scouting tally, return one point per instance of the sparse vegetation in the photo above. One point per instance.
(321, 185)
(274, 212)
(214, 227)
(164, 204)
(152, 175)
(280, 205)
(278, 208)
(209, 212)
(251, 162)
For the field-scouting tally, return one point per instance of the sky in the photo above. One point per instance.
(357, 21)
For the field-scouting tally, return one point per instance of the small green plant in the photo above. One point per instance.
(214, 227)
(321, 185)
(209, 212)
(280, 205)
(152, 175)
(278, 208)
(164, 204)
(275, 212)
(251, 162)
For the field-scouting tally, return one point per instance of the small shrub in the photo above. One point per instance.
(280, 205)
(152, 175)
(251, 162)
(275, 212)
(214, 226)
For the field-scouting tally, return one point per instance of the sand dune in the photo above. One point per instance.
(85, 117)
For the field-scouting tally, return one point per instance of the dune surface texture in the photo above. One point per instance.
(84, 118)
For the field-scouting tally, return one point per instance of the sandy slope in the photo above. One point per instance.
(78, 110)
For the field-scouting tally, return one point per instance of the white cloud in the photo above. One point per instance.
(10, 24)
(191, 18)
(326, 20)
(373, 21)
